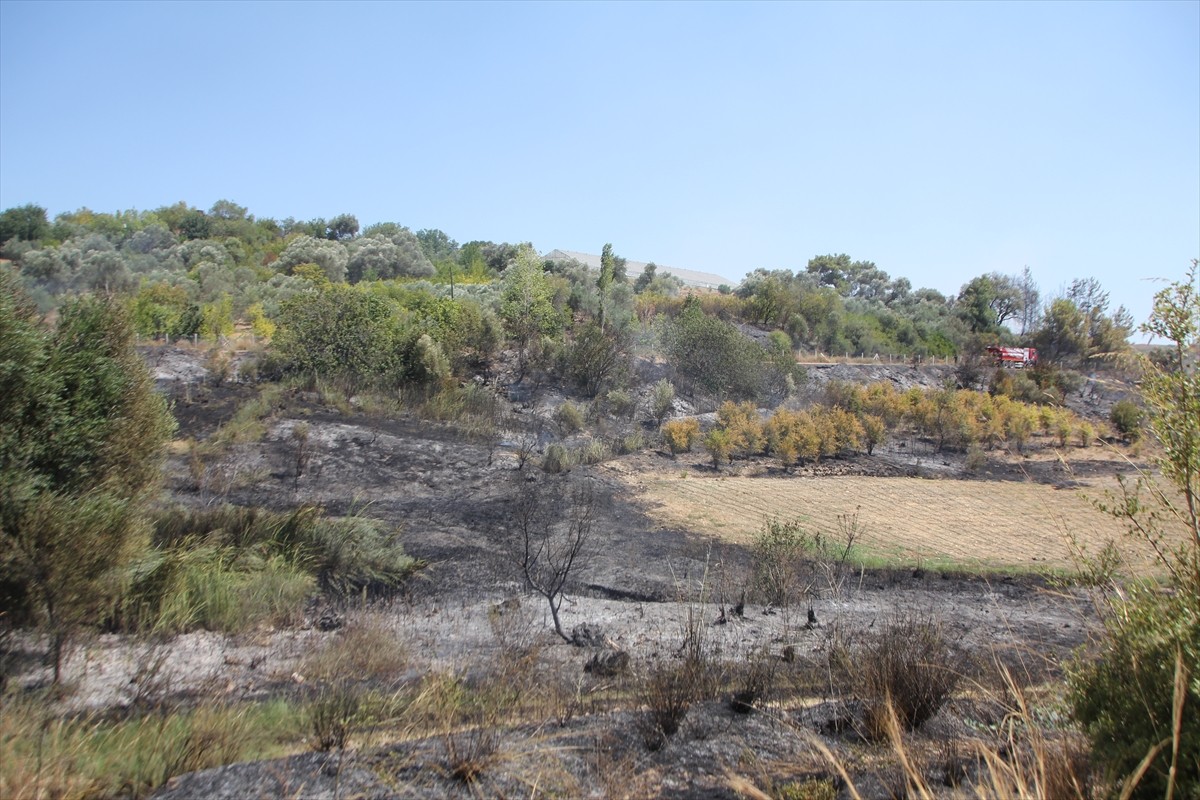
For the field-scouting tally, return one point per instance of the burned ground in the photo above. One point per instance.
(650, 583)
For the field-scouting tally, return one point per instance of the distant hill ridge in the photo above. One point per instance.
(690, 277)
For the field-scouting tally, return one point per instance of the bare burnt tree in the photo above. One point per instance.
(550, 538)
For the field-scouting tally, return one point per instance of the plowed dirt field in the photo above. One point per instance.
(909, 519)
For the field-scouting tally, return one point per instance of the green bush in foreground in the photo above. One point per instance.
(81, 433)
(1138, 698)
(1125, 699)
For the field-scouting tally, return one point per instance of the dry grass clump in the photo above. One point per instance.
(364, 651)
(470, 727)
(557, 459)
(667, 689)
(333, 715)
(1025, 756)
(349, 671)
(909, 670)
(752, 680)
(570, 418)
(473, 410)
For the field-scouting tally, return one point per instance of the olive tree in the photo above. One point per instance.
(383, 256)
(330, 256)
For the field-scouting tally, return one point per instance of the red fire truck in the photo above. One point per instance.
(1019, 357)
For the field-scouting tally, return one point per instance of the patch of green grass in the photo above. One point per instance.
(231, 569)
(248, 423)
(217, 589)
(43, 755)
(471, 409)
(875, 559)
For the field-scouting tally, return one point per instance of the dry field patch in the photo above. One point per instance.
(994, 523)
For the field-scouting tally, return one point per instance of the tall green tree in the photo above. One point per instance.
(605, 280)
(81, 436)
(437, 246)
(527, 305)
(646, 278)
(25, 223)
(988, 302)
(342, 228)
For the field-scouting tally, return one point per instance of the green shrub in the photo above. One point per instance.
(345, 334)
(1085, 433)
(777, 552)
(593, 452)
(1138, 694)
(1124, 699)
(620, 402)
(569, 418)
(1126, 418)
(81, 434)
(596, 358)
(557, 459)
(714, 356)
(719, 445)
(662, 400)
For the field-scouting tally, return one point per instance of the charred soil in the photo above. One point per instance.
(651, 586)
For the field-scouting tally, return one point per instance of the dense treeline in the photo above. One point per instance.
(386, 306)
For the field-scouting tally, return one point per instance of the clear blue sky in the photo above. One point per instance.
(940, 140)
